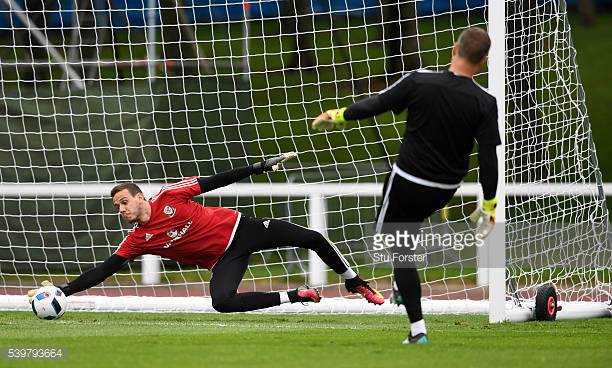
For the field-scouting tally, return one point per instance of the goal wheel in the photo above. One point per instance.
(546, 303)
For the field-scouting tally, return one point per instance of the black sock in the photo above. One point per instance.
(353, 283)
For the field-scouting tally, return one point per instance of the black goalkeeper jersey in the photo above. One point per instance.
(446, 113)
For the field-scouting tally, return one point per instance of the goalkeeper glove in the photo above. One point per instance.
(330, 119)
(32, 293)
(274, 163)
(485, 214)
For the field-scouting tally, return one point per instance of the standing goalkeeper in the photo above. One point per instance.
(447, 111)
(170, 224)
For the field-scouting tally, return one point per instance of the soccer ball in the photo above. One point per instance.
(49, 302)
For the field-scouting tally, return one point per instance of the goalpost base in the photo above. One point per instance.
(570, 310)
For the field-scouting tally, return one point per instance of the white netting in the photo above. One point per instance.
(549, 141)
(177, 89)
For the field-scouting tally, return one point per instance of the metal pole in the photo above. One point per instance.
(151, 29)
(246, 67)
(317, 276)
(497, 86)
(151, 265)
(40, 37)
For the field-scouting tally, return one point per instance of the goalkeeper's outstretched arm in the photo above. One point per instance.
(213, 182)
(393, 99)
(337, 118)
(89, 278)
(95, 275)
(366, 108)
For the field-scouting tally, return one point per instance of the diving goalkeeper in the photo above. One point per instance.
(170, 224)
(447, 111)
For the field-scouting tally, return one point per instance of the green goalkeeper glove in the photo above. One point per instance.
(485, 216)
(32, 293)
(330, 119)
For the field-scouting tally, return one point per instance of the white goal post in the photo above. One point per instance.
(497, 87)
(174, 89)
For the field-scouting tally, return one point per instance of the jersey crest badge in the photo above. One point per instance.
(169, 211)
(266, 223)
(172, 233)
(148, 236)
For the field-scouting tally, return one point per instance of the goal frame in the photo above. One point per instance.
(316, 194)
(498, 308)
(497, 87)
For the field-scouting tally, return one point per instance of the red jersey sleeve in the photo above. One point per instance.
(126, 248)
(184, 189)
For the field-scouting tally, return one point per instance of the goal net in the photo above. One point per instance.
(92, 95)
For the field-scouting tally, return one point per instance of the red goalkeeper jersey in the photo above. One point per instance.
(181, 229)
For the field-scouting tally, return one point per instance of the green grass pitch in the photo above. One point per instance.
(259, 340)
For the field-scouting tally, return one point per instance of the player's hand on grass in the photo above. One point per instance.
(484, 215)
(274, 163)
(330, 119)
(32, 292)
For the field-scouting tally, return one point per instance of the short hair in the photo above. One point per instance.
(131, 187)
(474, 44)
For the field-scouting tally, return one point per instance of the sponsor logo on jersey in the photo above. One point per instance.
(266, 223)
(176, 235)
(169, 211)
(148, 236)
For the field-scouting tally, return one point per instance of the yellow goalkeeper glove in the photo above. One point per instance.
(484, 215)
(330, 119)
(32, 292)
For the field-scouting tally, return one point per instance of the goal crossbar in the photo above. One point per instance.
(76, 190)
